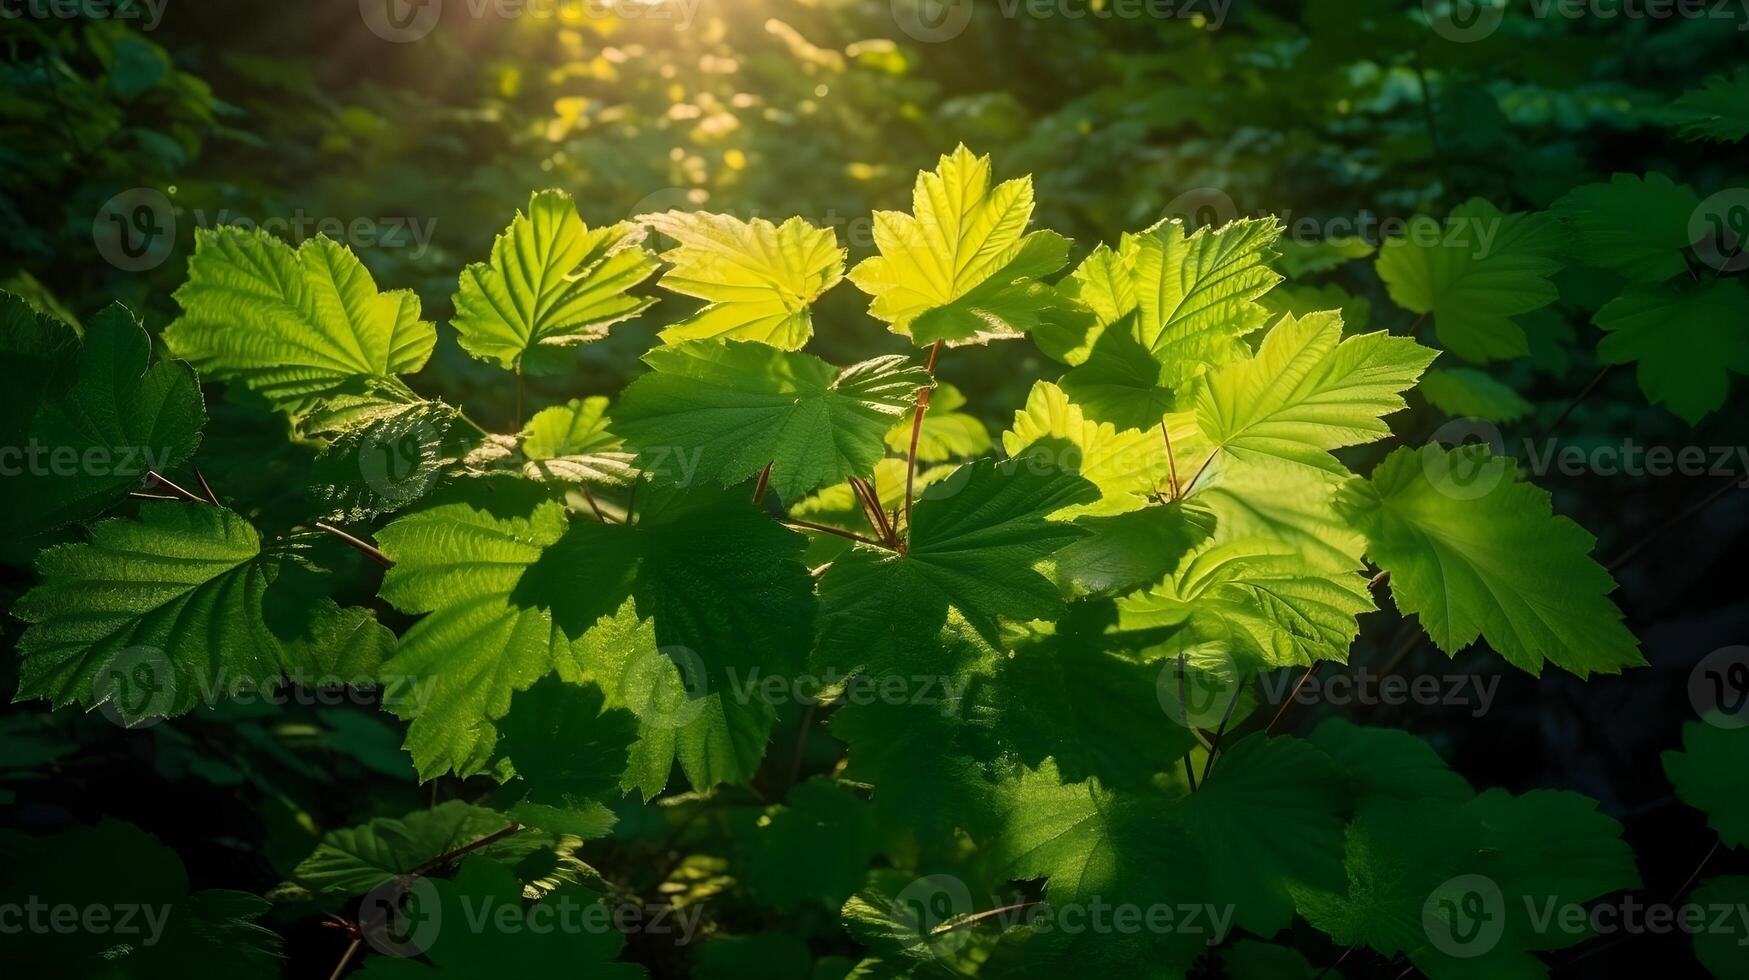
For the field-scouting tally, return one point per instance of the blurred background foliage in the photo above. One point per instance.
(1334, 114)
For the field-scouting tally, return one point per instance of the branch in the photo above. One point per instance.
(916, 432)
(764, 481)
(1184, 702)
(181, 494)
(1290, 698)
(363, 546)
(828, 529)
(466, 849)
(1171, 462)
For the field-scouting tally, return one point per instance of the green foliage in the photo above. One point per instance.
(1474, 274)
(1475, 553)
(304, 327)
(106, 412)
(1708, 775)
(552, 283)
(729, 409)
(883, 705)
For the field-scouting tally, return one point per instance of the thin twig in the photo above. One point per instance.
(198, 475)
(1290, 698)
(1184, 703)
(1683, 888)
(173, 488)
(828, 529)
(871, 509)
(1198, 475)
(364, 547)
(1574, 403)
(917, 432)
(977, 917)
(592, 504)
(764, 481)
(1171, 463)
(1639, 545)
(1226, 716)
(466, 849)
(345, 958)
(1336, 964)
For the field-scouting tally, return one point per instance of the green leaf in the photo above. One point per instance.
(1387, 762)
(715, 736)
(567, 933)
(573, 442)
(1307, 391)
(961, 268)
(459, 562)
(1686, 341)
(1193, 292)
(1635, 226)
(816, 846)
(353, 861)
(1721, 950)
(1129, 467)
(1473, 274)
(158, 929)
(1301, 300)
(727, 596)
(974, 540)
(1715, 111)
(723, 410)
(1299, 259)
(300, 326)
(1469, 393)
(1066, 696)
(1489, 559)
(919, 756)
(93, 416)
(1264, 821)
(551, 283)
(1295, 505)
(1094, 844)
(1127, 551)
(387, 459)
(759, 278)
(1709, 775)
(569, 751)
(947, 433)
(1257, 600)
(1458, 886)
(901, 918)
(760, 956)
(1120, 382)
(152, 617)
